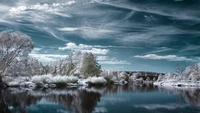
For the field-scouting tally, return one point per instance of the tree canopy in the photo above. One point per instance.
(12, 46)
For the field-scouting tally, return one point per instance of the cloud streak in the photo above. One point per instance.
(111, 61)
(164, 57)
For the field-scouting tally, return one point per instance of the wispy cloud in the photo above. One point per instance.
(180, 13)
(190, 48)
(160, 49)
(89, 32)
(164, 57)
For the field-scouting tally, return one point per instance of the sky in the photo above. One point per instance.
(129, 35)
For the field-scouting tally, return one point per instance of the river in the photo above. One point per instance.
(109, 99)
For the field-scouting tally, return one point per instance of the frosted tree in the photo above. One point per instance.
(193, 72)
(46, 69)
(80, 63)
(180, 68)
(25, 66)
(12, 46)
(89, 65)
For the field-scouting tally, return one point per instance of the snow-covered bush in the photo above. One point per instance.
(160, 77)
(50, 79)
(110, 75)
(123, 75)
(93, 81)
(169, 76)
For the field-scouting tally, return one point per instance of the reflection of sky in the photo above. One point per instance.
(112, 99)
(123, 34)
(47, 107)
(142, 102)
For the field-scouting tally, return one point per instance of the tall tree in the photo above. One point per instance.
(12, 46)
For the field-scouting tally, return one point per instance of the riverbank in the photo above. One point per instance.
(137, 78)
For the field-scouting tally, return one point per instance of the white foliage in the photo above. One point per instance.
(12, 46)
(111, 75)
(94, 80)
(50, 79)
(80, 63)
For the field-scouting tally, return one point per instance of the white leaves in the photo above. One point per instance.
(12, 46)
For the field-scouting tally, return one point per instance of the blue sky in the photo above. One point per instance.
(142, 35)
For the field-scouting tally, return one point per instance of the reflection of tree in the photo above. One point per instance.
(192, 97)
(77, 100)
(82, 101)
(3, 106)
(129, 88)
(19, 101)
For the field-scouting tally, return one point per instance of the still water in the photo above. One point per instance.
(110, 99)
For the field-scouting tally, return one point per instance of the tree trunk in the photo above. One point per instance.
(1, 83)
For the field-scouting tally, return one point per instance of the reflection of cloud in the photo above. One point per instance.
(62, 111)
(100, 110)
(159, 106)
(111, 100)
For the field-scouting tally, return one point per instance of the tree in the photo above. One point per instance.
(192, 72)
(180, 68)
(89, 65)
(13, 45)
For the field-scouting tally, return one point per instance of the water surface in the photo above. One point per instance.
(109, 99)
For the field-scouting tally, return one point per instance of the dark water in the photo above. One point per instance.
(111, 99)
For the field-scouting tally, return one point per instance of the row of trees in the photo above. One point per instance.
(189, 73)
(14, 59)
(83, 64)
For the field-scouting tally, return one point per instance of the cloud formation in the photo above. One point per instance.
(46, 57)
(158, 30)
(84, 48)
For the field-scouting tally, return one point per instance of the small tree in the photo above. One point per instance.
(12, 46)
(180, 68)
